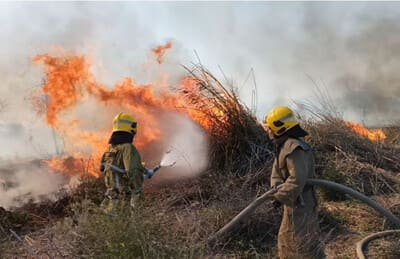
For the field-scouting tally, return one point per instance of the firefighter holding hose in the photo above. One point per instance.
(123, 169)
(294, 163)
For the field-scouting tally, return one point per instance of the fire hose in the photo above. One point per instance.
(155, 169)
(363, 243)
(313, 182)
(122, 172)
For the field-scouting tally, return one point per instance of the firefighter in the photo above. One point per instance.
(294, 163)
(122, 167)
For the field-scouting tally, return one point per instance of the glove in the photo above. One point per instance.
(149, 173)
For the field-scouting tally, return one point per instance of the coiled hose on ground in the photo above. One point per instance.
(314, 182)
(363, 243)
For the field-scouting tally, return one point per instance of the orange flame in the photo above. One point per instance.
(68, 88)
(63, 76)
(160, 51)
(189, 88)
(374, 135)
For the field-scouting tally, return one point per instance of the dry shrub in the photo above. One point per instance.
(36, 215)
(334, 136)
(11, 220)
(238, 143)
(146, 232)
(194, 210)
(347, 158)
(391, 203)
(177, 219)
(384, 248)
(393, 135)
(174, 222)
(133, 234)
(367, 178)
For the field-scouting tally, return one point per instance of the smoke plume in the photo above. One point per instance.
(187, 148)
(349, 48)
(21, 182)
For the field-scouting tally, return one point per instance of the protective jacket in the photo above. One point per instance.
(123, 173)
(126, 157)
(299, 230)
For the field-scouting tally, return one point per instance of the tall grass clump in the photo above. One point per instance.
(238, 143)
(346, 157)
(132, 234)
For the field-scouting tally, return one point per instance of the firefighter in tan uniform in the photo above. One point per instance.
(122, 167)
(294, 163)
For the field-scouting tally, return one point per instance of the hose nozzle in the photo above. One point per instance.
(155, 169)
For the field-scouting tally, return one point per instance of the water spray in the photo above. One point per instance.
(173, 156)
(166, 161)
(158, 167)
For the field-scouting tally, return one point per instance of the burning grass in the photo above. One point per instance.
(238, 143)
(176, 219)
(344, 156)
(172, 223)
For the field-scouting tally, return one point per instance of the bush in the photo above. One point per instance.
(131, 234)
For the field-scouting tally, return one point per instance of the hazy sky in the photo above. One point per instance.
(351, 49)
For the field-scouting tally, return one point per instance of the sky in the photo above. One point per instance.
(348, 50)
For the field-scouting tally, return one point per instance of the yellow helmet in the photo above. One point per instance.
(124, 122)
(280, 120)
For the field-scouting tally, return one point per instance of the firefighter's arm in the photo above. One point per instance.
(276, 178)
(290, 190)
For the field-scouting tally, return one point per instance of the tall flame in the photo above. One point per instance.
(69, 94)
(374, 135)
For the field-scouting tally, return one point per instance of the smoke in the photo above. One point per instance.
(376, 91)
(119, 45)
(28, 181)
(360, 59)
(351, 49)
(18, 141)
(187, 149)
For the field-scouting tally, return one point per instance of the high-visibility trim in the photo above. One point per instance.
(122, 121)
(288, 116)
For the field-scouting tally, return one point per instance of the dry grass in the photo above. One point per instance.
(238, 144)
(175, 220)
(384, 248)
(345, 157)
(173, 223)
